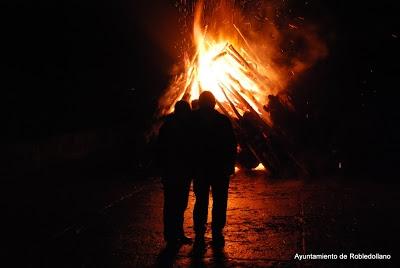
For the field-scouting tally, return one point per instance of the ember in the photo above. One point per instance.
(241, 73)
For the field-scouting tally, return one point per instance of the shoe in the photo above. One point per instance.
(185, 240)
(199, 246)
(199, 242)
(172, 244)
(218, 240)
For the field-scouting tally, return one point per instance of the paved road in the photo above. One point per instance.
(268, 223)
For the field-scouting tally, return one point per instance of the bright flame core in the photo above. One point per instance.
(220, 72)
(232, 76)
(212, 70)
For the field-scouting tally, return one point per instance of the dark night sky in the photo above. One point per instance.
(68, 65)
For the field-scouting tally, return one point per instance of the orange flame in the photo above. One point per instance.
(240, 73)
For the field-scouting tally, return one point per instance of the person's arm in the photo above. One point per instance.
(231, 145)
(161, 148)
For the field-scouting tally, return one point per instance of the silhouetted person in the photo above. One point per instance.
(214, 153)
(195, 104)
(276, 110)
(281, 116)
(174, 158)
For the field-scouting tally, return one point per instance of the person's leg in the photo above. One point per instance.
(183, 195)
(200, 211)
(170, 213)
(219, 189)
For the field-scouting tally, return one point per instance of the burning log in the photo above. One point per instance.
(225, 112)
(252, 141)
(247, 155)
(252, 98)
(236, 55)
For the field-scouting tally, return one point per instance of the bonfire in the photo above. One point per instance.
(242, 73)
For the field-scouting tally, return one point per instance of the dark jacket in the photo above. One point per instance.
(214, 143)
(174, 147)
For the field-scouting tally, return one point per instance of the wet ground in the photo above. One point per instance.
(117, 223)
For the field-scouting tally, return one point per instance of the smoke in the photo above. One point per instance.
(282, 43)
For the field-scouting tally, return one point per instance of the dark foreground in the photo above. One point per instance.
(116, 222)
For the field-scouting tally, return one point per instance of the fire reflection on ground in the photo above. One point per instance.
(269, 221)
(264, 222)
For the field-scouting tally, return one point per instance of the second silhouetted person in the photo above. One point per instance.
(214, 153)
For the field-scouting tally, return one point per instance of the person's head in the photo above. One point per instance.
(272, 98)
(206, 101)
(182, 109)
(195, 104)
